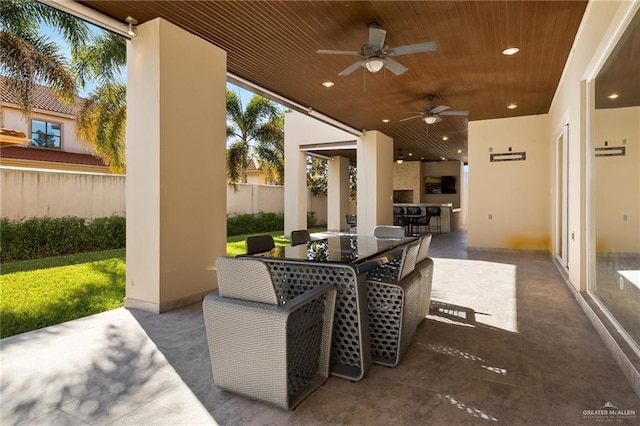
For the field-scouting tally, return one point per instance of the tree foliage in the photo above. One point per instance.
(245, 127)
(270, 149)
(28, 58)
(102, 118)
(317, 175)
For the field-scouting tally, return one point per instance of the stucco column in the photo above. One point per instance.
(175, 189)
(375, 181)
(337, 193)
(295, 177)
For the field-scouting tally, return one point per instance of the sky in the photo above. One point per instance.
(245, 95)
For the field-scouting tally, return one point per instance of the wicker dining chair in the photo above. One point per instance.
(300, 236)
(259, 244)
(260, 346)
(397, 297)
(386, 231)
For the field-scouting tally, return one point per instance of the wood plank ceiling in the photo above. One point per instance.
(274, 44)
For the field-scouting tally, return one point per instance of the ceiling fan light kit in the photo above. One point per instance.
(374, 65)
(431, 114)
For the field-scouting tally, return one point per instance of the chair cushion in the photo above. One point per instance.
(246, 279)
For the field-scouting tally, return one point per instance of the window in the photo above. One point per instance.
(45, 134)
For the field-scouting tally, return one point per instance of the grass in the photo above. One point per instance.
(43, 292)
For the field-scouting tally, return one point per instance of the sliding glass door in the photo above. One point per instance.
(614, 156)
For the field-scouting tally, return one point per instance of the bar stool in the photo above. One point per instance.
(352, 222)
(433, 212)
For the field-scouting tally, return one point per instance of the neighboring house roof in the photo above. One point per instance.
(43, 99)
(49, 155)
(253, 166)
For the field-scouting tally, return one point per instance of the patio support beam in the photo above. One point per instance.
(175, 189)
(375, 181)
(337, 193)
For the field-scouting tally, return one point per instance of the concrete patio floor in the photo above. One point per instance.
(505, 343)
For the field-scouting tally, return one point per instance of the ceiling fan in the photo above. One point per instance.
(376, 54)
(431, 114)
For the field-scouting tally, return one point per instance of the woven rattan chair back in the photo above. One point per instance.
(386, 231)
(259, 244)
(423, 251)
(409, 258)
(300, 236)
(246, 279)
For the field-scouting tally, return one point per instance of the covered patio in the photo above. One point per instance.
(505, 342)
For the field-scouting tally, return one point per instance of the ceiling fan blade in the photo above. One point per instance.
(438, 109)
(395, 67)
(339, 52)
(352, 68)
(411, 118)
(377, 36)
(429, 46)
(455, 113)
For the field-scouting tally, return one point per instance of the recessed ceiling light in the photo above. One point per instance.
(386, 120)
(443, 158)
(328, 83)
(512, 105)
(613, 96)
(510, 51)
(410, 154)
(459, 151)
(445, 138)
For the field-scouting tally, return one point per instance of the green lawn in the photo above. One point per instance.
(43, 292)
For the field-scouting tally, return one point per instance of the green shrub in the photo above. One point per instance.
(254, 223)
(36, 238)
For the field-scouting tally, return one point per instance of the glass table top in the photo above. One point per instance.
(339, 249)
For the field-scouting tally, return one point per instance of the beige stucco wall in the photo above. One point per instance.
(13, 119)
(514, 193)
(176, 190)
(443, 168)
(29, 193)
(408, 177)
(299, 131)
(248, 198)
(375, 181)
(617, 182)
(26, 193)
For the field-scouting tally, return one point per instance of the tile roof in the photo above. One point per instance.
(50, 155)
(43, 99)
(252, 165)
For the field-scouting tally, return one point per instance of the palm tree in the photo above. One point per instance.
(101, 122)
(101, 119)
(270, 149)
(28, 58)
(245, 126)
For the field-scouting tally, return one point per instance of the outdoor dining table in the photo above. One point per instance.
(340, 260)
(348, 249)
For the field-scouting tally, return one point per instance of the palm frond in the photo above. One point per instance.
(234, 162)
(101, 123)
(29, 60)
(103, 59)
